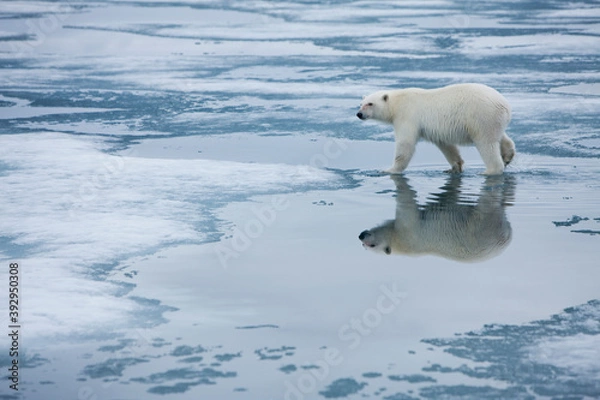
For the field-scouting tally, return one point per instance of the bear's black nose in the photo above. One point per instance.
(360, 115)
(363, 235)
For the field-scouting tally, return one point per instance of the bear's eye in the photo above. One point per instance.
(388, 250)
(370, 104)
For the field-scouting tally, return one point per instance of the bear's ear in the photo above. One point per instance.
(388, 250)
(385, 97)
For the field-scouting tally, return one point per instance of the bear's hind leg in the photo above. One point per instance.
(452, 154)
(507, 149)
(490, 153)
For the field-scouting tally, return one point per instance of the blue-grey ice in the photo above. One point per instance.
(183, 185)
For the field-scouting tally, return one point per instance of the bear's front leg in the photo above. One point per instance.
(404, 152)
(406, 135)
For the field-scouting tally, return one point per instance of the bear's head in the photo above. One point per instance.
(375, 106)
(378, 239)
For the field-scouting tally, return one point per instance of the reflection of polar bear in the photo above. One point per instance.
(448, 227)
(454, 115)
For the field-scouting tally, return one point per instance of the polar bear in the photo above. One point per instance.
(451, 227)
(461, 114)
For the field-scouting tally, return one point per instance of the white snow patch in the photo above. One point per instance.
(77, 208)
(589, 89)
(530, 44)
(580, 354)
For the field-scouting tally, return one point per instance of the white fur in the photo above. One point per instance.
(462, 114)
(448, 228)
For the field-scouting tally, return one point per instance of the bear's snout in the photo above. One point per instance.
(367, 239)
(363, 235)
(361, 116)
